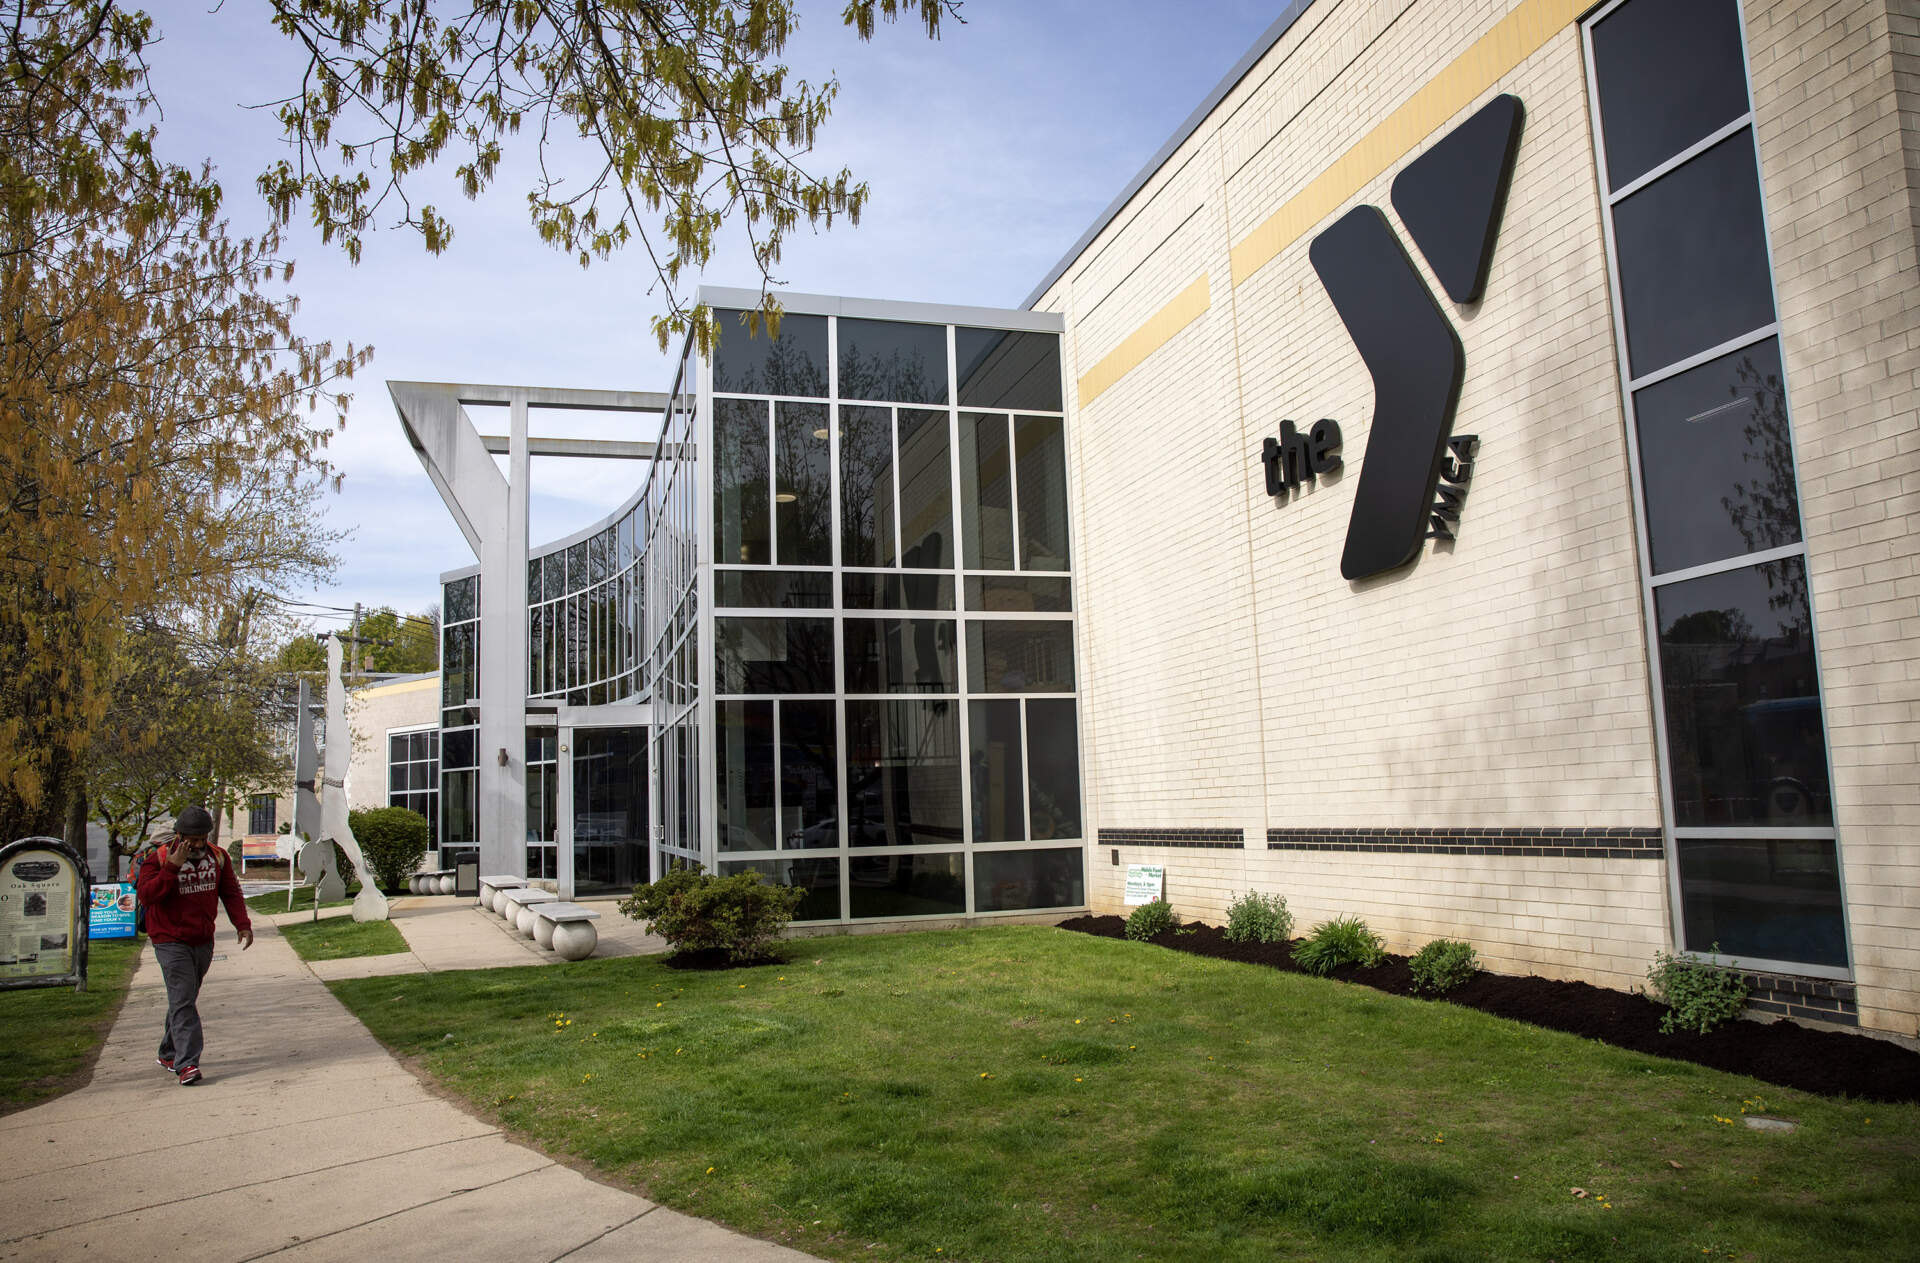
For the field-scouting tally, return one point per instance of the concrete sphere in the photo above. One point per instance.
(442, 885)
(486, 896)
(526, 919)
(500, 904)
(575, 940)
(543, 932)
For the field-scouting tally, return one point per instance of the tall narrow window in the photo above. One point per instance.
(1753, 854)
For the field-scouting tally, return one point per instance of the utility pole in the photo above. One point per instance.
(353, 638)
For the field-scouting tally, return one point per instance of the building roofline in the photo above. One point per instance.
(1261, 46)
(1019, 319)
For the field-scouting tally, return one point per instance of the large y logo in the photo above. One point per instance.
(1450, 199)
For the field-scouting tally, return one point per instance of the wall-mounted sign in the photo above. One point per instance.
(43, 922)
(110, 912)
(1451, 200)
(1145, 883)
(1294, 457)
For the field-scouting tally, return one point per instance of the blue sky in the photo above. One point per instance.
(988, 152)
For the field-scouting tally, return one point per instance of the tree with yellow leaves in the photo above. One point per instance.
(162, 427)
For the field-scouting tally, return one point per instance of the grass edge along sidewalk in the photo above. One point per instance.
(52, 1035)
(336, 938)
(1028, 1093)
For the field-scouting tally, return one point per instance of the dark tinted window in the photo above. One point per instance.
(1006, 881)
(773, 589)
(743, 775)
(774, 655)
(742, 527)
(795, 363)
(599, 556)
(577, 568)
(1716, 460)
(906, 885)
(1742, 700)
(802, 484)
(1017, 656)
(986, 491)
(1766, 900)
(459, 664)
(909, 591)
(999, 776)
(1013, 594)
(926, 490)
(903, 772)
(819, 878)
(609, 809)
(1693, 257)
(1053, 757)
(1040, 445)
(866, 486)
(463, 599)
(999, 369)
(1669, 74)
(893, 362)
(900, 655)
(809, 775)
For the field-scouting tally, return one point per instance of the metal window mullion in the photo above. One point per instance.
(1013, 496)
(894, 477)
(1759, 334)
(1668, 578)
(1755, 833)
(773, 492)
(1681, 159)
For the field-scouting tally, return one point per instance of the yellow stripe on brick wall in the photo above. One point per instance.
(1187, 306)
(1514, 39)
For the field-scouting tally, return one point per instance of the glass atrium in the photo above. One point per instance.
(840, 651)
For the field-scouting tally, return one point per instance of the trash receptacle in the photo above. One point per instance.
(466, 877)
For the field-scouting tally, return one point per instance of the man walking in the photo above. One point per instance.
(179, 884)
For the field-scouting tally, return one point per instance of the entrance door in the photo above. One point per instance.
(603, 810)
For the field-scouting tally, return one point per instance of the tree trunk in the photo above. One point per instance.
(75, 831)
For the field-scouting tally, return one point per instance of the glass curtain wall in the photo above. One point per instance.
(1752, 847)
(893, 709)
(459, 719)
(671, 654)
(586, 615)
(413, 774)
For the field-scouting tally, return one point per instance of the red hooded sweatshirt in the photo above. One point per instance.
(180, 901)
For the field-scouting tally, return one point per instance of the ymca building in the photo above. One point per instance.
(1468, 480)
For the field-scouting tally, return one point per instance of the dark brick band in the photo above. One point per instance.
(1620, 842)
(1206, 839)
(1816, 999)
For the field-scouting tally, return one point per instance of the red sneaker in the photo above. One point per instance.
(165, 1063)
(189, 1075)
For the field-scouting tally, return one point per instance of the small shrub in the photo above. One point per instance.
(1258, 918)
(1698, 996)
(393, 840)
(1442, 965)
(1150, 919)
(1341, 941)
(740, 915)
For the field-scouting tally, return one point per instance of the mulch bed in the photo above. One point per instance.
(1831, 1063)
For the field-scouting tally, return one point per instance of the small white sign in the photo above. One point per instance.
(1145, 883)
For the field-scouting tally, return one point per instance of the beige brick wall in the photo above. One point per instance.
(1596, 921)
(1233, 678)
(1837, 101)
(371, 713)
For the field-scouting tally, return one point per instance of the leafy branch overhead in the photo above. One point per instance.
(653, 120)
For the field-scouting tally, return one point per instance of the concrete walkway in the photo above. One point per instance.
(307, 1141)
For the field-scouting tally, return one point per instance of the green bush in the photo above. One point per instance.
(740, 915)
(1257, 918)
(1442, 965)
(1150, 919)
(393, 840)
(1698, 996)
(1341, 941)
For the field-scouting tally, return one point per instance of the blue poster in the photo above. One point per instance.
(110, 914)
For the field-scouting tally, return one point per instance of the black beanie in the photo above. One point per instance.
(194, 820)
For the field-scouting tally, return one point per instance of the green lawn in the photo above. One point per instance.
(274, 903)
(338, 937)
(1026, 1093)
(52, 1034)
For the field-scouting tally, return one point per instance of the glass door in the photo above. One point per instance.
(605, 811)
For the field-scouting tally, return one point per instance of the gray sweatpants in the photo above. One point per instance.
(183, 965)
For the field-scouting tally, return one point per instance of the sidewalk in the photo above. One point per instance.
(446, 932)
(306, 1142)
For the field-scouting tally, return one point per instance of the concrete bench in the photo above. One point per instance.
(432, 881)
(519, 902)
(566, 928)
(491, 889)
